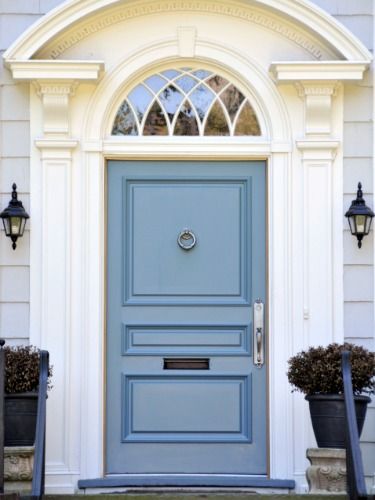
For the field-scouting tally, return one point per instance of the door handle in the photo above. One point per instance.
(258, 333)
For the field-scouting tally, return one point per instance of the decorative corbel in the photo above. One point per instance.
(318, 97)
(55, 97)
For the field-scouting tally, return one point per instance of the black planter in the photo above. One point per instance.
(328, 418)
(20, 412)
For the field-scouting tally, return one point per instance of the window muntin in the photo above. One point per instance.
(186, 102)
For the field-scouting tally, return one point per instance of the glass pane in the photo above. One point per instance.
(216, 123)
(232, 98)
(140, 99)
(368, 224)
(6, 224)
(202, 98)
(23, 224)
(15, 225)
(170, 99)
(360, 221)
(202, 74)
(247, 122)
(186, 123)
(186, 83)
(125, 122)
(155, 82)
(156, 123)
(217, 83)
(170, 73)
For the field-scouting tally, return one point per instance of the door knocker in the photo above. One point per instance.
(186, 239)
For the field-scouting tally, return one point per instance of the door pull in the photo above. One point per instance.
(258, 333)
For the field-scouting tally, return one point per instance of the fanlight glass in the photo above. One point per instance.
(189, 102)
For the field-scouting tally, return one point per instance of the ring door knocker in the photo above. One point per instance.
(186, 239)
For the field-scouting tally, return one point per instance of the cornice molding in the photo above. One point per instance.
(46, 70)
(306, 89)
(316, 151)
(286, 71)
(115, 16)
(293, 19)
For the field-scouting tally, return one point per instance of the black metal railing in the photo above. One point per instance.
(354, 466)
(37, 487)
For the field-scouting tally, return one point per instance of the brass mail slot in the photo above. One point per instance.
(186, 364)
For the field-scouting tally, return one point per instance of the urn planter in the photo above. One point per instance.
(20, 412)
(328, 418)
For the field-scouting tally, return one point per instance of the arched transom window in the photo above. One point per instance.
(186, 102)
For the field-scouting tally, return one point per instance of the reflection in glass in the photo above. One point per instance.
(155, 82)
(201, 74)
(217, 83)
(156, 123)
(186, 83)
(197, 89)
(170, 73)
(247, 122)
(202, 98)
(125, 122)
(216, 122)
(186, 123)
(232, 98)
(140, 99)
(170, 99)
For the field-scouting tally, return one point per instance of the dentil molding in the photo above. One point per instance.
(124, 13)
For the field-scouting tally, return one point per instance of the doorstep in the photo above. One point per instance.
(206, 494)
(183, 482)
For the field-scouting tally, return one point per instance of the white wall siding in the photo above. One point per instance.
(359, 326)
(15, 17)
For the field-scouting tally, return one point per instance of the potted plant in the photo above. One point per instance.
(21, 394)
(317, 373)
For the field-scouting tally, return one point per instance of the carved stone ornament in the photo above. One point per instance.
(327, 472)
(18, 463)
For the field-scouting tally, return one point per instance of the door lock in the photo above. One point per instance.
(258, 333)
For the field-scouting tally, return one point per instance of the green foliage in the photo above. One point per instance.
(22, 369)
(318, 370)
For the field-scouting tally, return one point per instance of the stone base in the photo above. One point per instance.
(18, 468)
(327, 472)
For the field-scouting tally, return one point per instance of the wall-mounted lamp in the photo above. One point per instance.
(14, 218)
(359, 217)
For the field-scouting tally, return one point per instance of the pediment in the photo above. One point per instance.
(77, 28)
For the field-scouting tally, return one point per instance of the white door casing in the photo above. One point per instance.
(73, 103)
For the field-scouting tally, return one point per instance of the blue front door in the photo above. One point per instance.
(186, 262)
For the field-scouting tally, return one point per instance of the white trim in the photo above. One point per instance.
(80, 257)
(286, 71)
(55, 70)
(300, 12)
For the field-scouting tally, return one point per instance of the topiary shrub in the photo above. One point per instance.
(318, 370)
(22, 369)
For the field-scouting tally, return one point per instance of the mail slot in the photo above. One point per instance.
(186, 364)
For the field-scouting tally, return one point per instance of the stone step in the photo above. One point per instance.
(188, 493)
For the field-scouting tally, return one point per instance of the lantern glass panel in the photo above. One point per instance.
(351, 220)
(6, 226)
(15, 225)
(360, 223)
(23, 224)
(368, 224)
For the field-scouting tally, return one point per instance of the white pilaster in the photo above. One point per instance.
(55, 295)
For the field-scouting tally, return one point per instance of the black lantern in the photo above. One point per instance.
(359, 216)
(14, 218)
